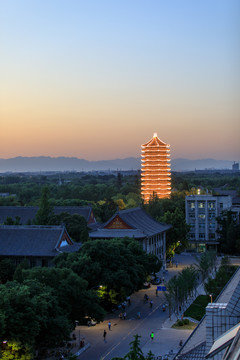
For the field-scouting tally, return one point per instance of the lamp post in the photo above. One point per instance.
(77, 323)
(211, 297)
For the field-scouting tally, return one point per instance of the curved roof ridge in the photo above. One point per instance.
(154, 141)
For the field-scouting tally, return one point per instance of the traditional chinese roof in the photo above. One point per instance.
(27, 213)
(131, 223)
(32, 240)
(155, 141)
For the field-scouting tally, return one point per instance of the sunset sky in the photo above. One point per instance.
(95, 79)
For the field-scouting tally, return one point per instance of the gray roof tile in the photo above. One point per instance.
(142, 225)
(27, 213)
(33, 241)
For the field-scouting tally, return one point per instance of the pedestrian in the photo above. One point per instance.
(129, 300)
(109, 325)
(151, 303)
(138, 315)
(152, 335)
(104, 335)
(156, 291)
(124, 316)
(163, 279)
(120, 316)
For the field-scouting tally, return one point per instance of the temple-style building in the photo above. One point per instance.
(155, 169)
(136, 223)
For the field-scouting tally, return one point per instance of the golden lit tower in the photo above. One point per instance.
(155, 169)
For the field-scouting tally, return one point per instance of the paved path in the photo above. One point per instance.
(165, 340)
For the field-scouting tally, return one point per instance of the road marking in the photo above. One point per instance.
(129, 333)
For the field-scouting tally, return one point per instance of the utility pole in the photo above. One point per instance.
(77, 323)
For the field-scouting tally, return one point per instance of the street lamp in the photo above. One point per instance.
(96, 287)
(77, 323)
(211, 297)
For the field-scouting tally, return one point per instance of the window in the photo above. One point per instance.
(211, 205)
(211, 226)
(211, 236)
(201, 205)
(191, 204)
(201, 236)
(201, 227)
(201, 216)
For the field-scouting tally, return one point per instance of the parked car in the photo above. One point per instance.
(89, 321)
(155, 281)
(92, 322)
(147, 284)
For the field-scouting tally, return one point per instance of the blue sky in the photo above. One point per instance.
(95, 79)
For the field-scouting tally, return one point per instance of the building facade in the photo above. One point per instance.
(201, 214)
(136, 223)
(155, 169)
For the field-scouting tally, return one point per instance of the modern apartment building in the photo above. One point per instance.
(201, 214)
(155, 169)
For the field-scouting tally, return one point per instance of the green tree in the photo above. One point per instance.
(120, 266)
(7, 269)
(180, 287)
(16, 350)
(45, 210)
(71, 291)
(10, 221)
(205, 263)
(119, 181)
(177, 235)
(76, 225)
(135, 352)
(32, 315)
(229, 233)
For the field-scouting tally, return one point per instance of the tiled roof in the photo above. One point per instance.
(33, 240)
(27, 213)
(142, 225)
(230, 295)
(196, 354)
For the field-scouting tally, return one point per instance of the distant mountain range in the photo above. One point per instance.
(47, 163)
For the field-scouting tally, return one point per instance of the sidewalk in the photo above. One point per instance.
(166, 340)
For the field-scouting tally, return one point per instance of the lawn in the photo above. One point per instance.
(190, 326)
(197, 309)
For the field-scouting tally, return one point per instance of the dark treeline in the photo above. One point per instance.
(39, 306)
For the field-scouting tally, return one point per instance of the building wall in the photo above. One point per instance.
(156, 245)
(201, 214)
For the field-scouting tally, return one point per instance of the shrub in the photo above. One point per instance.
(180, 323)
(186, 321)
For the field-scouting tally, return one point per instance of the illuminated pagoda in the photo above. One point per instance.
(155, 170)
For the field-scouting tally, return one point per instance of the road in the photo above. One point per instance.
(123, 331)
